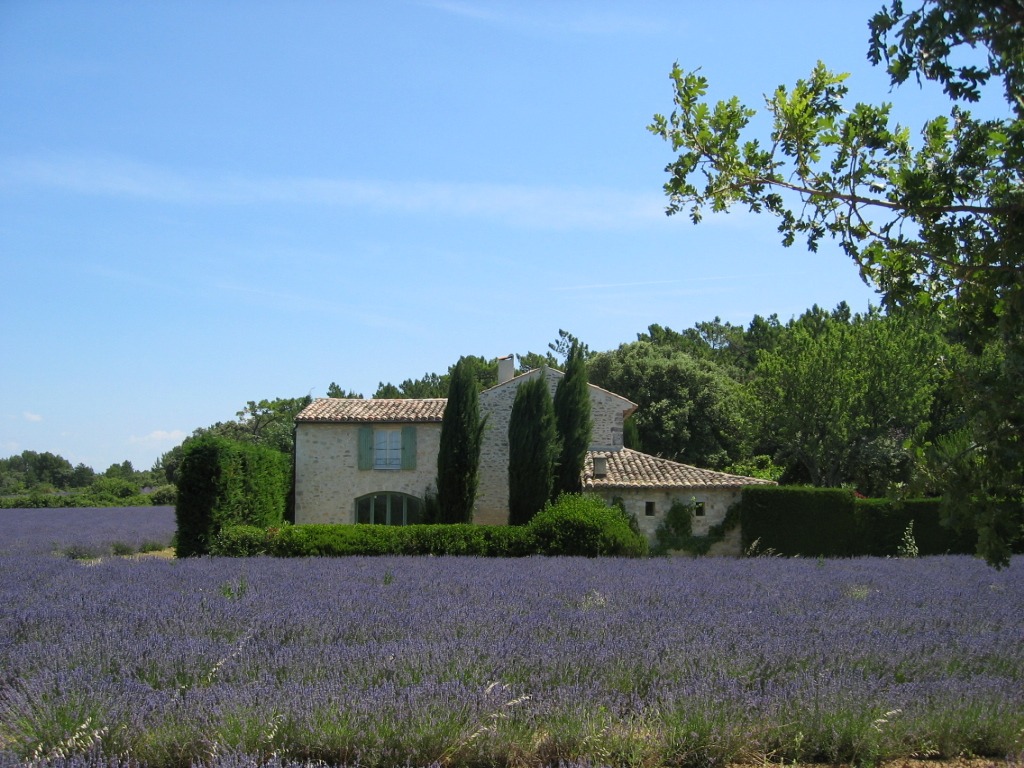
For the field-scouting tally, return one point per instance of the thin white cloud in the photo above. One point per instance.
(553, 18)
(159, 437)
(29, 416)
(598, 286)
(544, 207)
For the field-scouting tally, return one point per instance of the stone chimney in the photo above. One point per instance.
(506, 368)
(600, 466)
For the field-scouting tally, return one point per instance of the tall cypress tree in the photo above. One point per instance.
(532, 450)
(573, 422)
(458, 456)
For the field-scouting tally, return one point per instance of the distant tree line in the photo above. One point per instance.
(33, 479)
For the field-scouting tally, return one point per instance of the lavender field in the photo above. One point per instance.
(85, 531)
(474, 662)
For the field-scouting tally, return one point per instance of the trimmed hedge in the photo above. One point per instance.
(222, 482)
(882, 522)
(831, 522)
(341, 540)
(799, 521)
(575, 525)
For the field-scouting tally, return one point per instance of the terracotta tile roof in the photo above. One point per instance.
(631, 469)
(340, 410)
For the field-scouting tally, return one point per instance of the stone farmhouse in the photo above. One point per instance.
(374, 461)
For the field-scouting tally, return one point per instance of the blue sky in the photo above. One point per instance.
(204, 203)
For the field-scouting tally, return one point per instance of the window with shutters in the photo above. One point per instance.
(387, 448)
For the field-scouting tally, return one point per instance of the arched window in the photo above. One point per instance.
(389, 509)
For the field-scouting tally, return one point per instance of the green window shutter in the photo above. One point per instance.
(408, 447)
(366, 447)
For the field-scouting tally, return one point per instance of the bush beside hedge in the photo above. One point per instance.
(575, 525)
(584, 525)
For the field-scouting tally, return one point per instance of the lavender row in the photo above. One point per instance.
(464, 661)
(87, 531)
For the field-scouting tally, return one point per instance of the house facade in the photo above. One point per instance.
(374, 461)
(365, 461)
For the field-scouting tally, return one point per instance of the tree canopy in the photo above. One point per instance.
(937, 225)
(839, 397)
(689, 410)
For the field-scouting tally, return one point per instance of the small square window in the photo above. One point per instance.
(649, 508)
(698, 509)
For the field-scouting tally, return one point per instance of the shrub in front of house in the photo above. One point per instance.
(585, 526)
(333, 540)
(241, 541)
(342, 540)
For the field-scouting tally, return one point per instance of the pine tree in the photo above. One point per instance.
(573, 422)
(458, 456)
(532, 450)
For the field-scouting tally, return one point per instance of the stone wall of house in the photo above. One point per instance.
(607, 412)
(328, 479)
(717, 502)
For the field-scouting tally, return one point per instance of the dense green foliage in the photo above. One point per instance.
(572, 423)
(838, 398)
(458, 456)
(31, 470)
(689, 410)
(574, 525)
(483, 371)
(532, 450)
(104, 492)
(266, 423)
(224, 482)
(45, 480)
(937, 228)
